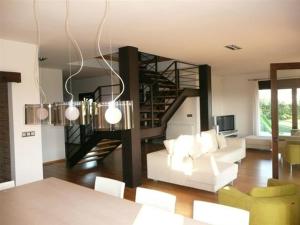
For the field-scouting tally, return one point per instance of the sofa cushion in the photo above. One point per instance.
(222, 143)
(274, 191)
(209, 139)
(208, 170)
(230, 154)
(199, 147)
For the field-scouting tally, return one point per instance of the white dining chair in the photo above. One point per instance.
(110, 186)
(217, 214)
(156, 199)
(7, 185)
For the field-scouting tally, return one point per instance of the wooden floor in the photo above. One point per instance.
(254, 171)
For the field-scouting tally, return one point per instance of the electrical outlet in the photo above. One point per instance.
(24, 134)
(32, 133)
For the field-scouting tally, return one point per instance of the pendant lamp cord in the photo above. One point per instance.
(37, 53)
(76, 46)
(99, 35)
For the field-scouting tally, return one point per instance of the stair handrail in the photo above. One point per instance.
(100, 88)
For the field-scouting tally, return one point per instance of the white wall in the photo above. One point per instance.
(53, 139)
(180, 123)
(235, 95)
(26, 152)
(85, 85)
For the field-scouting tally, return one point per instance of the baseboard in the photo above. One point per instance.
(54, 161)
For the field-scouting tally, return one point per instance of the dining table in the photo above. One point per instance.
(57, 202)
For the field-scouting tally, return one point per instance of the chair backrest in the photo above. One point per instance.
(217, 214)
(110, 186)
(156, 199)
(7, 185)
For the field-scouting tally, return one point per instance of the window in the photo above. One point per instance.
(284, 111)
(265, 127)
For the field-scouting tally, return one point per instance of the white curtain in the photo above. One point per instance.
(255, 108)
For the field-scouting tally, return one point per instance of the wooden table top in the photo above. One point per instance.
(56, 202)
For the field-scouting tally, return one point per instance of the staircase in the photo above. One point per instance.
(88, 145)
(162, 90)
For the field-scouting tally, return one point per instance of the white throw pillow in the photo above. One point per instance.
(209, 139)
(221, 141)
(198, 148)
(183, 145)
(169, 144)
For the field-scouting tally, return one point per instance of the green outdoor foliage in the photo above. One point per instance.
(284, 114)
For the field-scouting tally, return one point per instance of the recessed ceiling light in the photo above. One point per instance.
(233, 47)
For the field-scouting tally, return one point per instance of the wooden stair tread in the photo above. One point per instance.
(101, 148)
(95, 153)
(108, 141)
(89, 159)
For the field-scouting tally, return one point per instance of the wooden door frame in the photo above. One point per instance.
(274, 67)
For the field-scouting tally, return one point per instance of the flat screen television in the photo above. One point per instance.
(225, 123)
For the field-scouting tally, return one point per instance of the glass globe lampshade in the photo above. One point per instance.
(69, 114)
(113, 115)
(72, 113)
(39, 114)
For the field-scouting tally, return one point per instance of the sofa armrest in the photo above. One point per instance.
(239, 142)
(233, 197)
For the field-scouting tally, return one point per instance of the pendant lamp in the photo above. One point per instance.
(42, 113)
(72, 112)
(116, 114)
(39, 114)
(75, 113)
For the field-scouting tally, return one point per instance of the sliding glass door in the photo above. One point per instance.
(265, 126)
(285, 122)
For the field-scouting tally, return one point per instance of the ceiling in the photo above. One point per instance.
(192, 31)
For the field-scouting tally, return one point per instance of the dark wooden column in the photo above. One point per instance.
(5, 165)
(131, 140)
(206, 120)
(294, 109)
(274, 114)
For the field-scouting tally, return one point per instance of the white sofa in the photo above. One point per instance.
(192, 161)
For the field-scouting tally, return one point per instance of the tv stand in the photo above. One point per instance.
(229, 133)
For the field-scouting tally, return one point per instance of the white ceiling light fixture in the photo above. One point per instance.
(116, 113)
(38, 113)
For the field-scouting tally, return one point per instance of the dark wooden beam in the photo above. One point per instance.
(286, 66)
(10, 77)
(206, 120)
(281, 84)
(131, 139)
